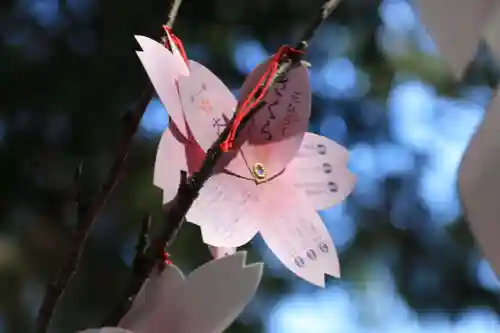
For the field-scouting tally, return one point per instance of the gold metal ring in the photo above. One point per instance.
(259, 172)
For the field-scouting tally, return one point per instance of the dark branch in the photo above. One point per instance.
(189, 188)
(78, 188)
(87, 216)
(142, 243)
(175, 211)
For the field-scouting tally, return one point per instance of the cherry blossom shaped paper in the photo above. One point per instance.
(231, 203)
(206, 301)
(230, 210)
(272, 139)
(178, 150)
(456, 27)
(479, 184)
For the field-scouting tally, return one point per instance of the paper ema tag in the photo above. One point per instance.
(479, 184)
(275, 157)
(456, 36)
(207, 301)
(231, 210)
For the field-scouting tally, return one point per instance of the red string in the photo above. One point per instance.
(177, 42)
(166, 261)
(251, 101)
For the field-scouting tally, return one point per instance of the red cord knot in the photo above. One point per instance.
(166, 259)
(176, 41)
(256, 95)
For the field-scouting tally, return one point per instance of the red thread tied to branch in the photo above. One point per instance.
(166, 260)
(177, 42)
(252, 100)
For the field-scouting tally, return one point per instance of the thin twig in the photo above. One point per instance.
(87, 216)
(189, 187)
(154, 253)
(172, 14)
(79, 200)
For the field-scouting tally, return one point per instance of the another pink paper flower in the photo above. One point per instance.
(206, 301)
(457, 36)
(278, 179)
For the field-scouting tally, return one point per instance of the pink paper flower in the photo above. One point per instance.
(280, 176)
(207, 301)
(274, 181)
(177, 150)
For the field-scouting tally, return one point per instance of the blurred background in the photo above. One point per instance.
(69, 72)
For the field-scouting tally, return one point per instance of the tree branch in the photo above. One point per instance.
(142, 243)
(87, 214)
(189, 188)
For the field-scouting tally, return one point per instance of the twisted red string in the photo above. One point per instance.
(251, 100)
(166, 259)
(177, 42)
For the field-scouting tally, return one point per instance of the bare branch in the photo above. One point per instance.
(153, 256)
(142, 242)
(87, 216)
(324, 13)
(189, 188)
(174, 8)
(78, 188)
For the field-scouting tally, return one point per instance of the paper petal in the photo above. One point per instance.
(217, 292)
(105, 330)
(275, 132)
(175, 153)
(208, 104)
(170, 160)
(220, 252)
(153, 310)
(227, 210)
(456, 36)
(479, 184)
(296, 234)
(320, 170)
(207, 302)
(163, 71)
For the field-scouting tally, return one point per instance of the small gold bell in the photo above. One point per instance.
(259, 172)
